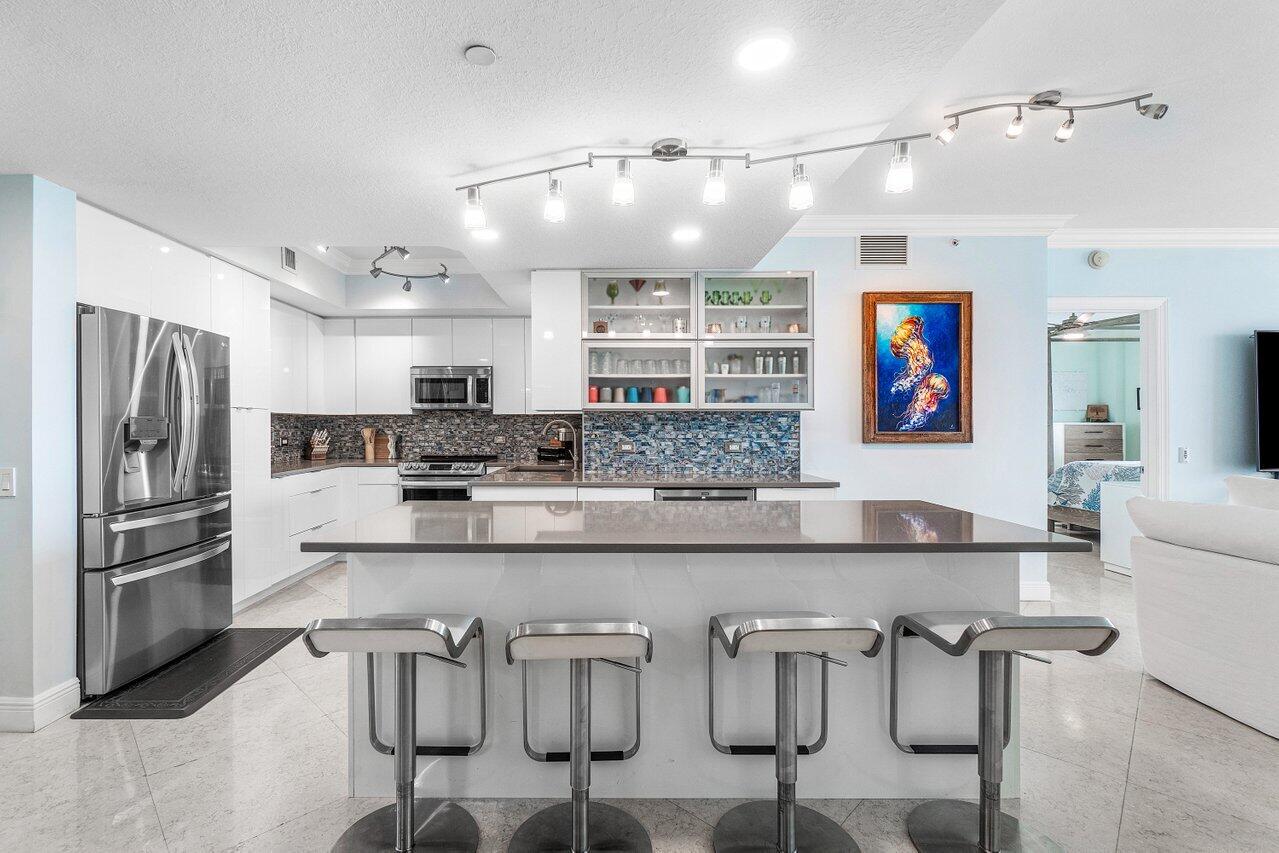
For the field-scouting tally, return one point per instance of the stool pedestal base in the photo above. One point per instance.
(609, 829)
(441, 827)
(752, 827)
(951, 826)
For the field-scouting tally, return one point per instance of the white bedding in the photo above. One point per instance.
(1077, 485)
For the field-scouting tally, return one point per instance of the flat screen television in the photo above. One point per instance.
(1267, 400)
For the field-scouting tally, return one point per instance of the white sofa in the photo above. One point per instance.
(1206, 580)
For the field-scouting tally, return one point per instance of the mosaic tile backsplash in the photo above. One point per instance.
(511, 437)
(692, 443)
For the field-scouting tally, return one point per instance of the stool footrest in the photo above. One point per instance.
(596, 755)
(767, 749)
(943, 748)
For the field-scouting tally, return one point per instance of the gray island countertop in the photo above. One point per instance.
(681, 527)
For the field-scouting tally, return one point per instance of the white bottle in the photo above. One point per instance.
(759, 362)
(795, 366)
(781, 361)
(768, 362)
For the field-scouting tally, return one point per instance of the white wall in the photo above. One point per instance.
(1001, 473)
(1216, 299)
(38, 438)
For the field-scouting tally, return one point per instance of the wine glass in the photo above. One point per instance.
(638, 284)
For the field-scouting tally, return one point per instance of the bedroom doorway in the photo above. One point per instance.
(1108, 421)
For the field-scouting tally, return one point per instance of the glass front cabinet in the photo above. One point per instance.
(643, 305)
(774, 305)
(764, 373)
(639, 375)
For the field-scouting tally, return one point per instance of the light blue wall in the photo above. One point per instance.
(1216, 298)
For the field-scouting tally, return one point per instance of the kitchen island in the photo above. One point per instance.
(672, 566)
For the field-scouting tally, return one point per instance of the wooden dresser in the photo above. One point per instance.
(1084, 442)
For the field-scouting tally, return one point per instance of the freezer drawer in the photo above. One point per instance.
(116, 539)
(140, 616)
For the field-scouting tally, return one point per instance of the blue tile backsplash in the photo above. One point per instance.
(692, 443)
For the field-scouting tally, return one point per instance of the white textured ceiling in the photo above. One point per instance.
(349, 123)
(1210, 163)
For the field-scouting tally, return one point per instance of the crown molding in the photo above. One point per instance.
(842, 225)
(1165, 238)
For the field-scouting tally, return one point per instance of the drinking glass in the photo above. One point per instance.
(765, 324)
(608, 363)
(650, 366)
(595, 362)
(666, 365)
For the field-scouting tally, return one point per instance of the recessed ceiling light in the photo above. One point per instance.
(686, 234)
(485, 234)
(322, 249)
(764, 52)
(164, 249)
(479, 54)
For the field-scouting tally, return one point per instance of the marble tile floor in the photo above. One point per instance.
(1112, 760)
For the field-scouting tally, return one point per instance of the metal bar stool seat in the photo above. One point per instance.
(948, 826)
(410, 822)
(781, 825)
(580, 825)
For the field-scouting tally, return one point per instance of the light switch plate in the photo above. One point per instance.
(625, 446)
(8, 483)
(732, 447)
(1183, 455)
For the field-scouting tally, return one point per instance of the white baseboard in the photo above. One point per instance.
(1036, 591)
(251, 600)
(23, 714)
(1126, 571)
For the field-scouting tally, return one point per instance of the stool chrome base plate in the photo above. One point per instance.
(752, 827)
(441, 826)
(609, 829)
(950, 826)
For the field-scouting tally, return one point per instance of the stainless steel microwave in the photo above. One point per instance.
(435, 388)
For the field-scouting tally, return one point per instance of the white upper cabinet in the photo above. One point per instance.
(432, 343)
(384, 352)
(339, 367)
(509, 373)
(472, 343)
(288, 359)
(557, 340)
(254, 361)
(316, 378)
(180, 289)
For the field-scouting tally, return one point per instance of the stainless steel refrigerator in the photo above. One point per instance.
(155, 493)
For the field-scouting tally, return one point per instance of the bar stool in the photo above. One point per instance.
(409, 822)
(945, 826)
(580, 825)
(765, 825)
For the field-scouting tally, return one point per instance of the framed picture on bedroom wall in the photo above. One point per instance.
(917, 365)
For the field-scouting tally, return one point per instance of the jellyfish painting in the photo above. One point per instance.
(923, 403)
(908, 343)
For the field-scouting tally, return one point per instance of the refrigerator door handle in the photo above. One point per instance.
(184, 402)
(197, 415)
(133, 577)
(169, 518)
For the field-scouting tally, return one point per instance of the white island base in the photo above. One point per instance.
(674, 594)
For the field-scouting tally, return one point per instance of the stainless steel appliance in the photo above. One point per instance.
(703, 494)
(441, 478)
(155, 493)
(435, 388)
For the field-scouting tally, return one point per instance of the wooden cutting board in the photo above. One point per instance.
(381, 446)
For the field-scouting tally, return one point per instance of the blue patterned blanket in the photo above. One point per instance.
(1078, 484)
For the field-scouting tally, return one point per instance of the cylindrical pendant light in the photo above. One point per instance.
(554, 209)
(623, 186)
(801, 191)
(946, 134)
(473, 214)
(901, 176)
(1015, 126)
(1067, 129)
(714, 192)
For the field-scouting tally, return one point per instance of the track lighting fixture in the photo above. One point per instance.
(473, 215)
(1015, 126)
(375, 272)
(947, 133)
(1067, 129)
(801, 191)
(623, 185)
(553, 211)
(1155, 111)
(408, 285)
(714, 192)
(402, 252)
(901, 176)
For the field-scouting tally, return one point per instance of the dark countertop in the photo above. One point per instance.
(824, 527)
(651, 480)
(306, 466)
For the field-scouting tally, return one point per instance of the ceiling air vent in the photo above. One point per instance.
(883, 250)
(288, 259)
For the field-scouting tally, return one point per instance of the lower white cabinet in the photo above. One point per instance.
(374, 497)
(252, 498)
(795, 494)
(523, 493)
(598, 493)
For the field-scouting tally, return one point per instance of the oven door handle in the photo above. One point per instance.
(435, 484)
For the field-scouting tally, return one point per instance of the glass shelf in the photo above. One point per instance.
(648, 375)
(756, 374)
(623, 305)
(755, 305)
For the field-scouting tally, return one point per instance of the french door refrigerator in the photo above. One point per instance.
(155, 493)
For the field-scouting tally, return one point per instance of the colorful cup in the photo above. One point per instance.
(619, 394)
(659, 395)
(682, 394)
(593, 394)
(646, 394)
(632, 394)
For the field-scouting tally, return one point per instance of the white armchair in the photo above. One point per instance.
(1206, 580)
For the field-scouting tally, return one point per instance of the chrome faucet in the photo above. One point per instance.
(571, 428)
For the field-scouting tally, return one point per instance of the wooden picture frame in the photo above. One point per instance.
(920, 405)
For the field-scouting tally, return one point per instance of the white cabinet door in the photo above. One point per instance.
(796, 494)
(509, 371)
(432, 342)
(113, 261)
(339, 366)
(254, 359)
(528, 365)
(288, 358)
(253, 549)
(376, 497)
(472, 342)
(557, 340)
(587, 493)
(383, 356)
(524, 493)
(316, 379)
(227, 318)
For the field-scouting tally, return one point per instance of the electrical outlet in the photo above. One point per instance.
(1183, 454)
(626, 446)
(732, 447)
(8, 483)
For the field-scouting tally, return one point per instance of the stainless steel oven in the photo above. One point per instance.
(440, 478)
(435, 388)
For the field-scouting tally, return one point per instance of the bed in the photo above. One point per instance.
(1074, 490)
